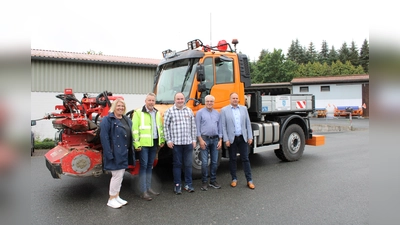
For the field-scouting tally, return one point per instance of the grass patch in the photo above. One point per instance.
(46, 143)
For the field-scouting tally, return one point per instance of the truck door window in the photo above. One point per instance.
(209, 75)
(209, 72)
(224, 71)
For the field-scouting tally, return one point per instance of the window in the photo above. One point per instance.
(224, 71)
(304, 89)
(209, 72)
(325, 88)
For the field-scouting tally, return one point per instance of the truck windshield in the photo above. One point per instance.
(175, 77)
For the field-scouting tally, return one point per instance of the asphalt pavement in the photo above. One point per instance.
(328, 185)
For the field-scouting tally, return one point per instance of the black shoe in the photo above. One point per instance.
(146, 196)
(151, 191)
(215, 185)
(204, 186)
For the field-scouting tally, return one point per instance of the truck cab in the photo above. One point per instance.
(199, 71)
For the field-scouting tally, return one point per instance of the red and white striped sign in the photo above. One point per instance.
(301, 104)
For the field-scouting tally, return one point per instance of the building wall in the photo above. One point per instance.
(54, 76)
(342, 94)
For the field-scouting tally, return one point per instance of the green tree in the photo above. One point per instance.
(353, 55)
(336, 68)
(289, 68)
(273, 67)
(364, 56)
(344, 53)
(311, 53)
(296, 53)
(313, 69)
(326, 69)
(339, 68)
(347, 68)
(333, 56)
(359, 70)
(320, 69)
(258, 69)
(262, 54)
(323, 55)
(92, 52)
(291, 54)
(301, 71)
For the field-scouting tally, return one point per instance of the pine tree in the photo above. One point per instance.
(333, 56)
(353, 56)
(296, 53)
(323, 55)
(291, 54)
(311, 54)
(344, 53)
(364, 56)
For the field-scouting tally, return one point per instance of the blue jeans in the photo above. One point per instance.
(211, 148)
(182, 156)
(147, 156)
(241, 145)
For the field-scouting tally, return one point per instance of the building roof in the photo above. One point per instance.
(39, 54)
(364, 78)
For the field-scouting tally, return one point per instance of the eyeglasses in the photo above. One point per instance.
(209, 101)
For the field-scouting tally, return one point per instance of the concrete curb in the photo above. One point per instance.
(333, 128)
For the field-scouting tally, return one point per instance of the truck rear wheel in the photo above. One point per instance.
(293, 143)
(196, 165)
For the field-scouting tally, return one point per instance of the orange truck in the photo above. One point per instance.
(280, 120)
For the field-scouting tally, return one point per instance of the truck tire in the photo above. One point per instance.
(196, 165)
(293, 143)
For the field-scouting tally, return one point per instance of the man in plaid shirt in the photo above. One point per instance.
(180, 134)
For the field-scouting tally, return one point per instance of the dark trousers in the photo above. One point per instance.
(239, 145)
(182, 157)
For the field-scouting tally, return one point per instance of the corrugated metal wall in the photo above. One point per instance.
(55, 76)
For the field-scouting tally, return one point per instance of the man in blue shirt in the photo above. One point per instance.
(209, 135)
(237, 135)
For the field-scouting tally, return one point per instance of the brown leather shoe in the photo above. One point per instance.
(151, 191)
(146, 196)
(251, 185)
(233, 183)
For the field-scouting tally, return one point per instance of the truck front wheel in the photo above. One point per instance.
(293, 143)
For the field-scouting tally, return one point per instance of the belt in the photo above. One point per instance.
(238, 136)
(210, 137)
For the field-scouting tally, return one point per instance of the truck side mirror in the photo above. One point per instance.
(33, 122)
(200, 73)
(201, 87)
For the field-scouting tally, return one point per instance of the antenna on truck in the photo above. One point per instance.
(210, 31)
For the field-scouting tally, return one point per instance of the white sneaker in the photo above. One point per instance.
(121, 201)
(113, 203)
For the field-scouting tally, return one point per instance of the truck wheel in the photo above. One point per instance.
(293, 143)
(196, 165)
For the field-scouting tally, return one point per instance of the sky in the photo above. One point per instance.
(146, 28)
